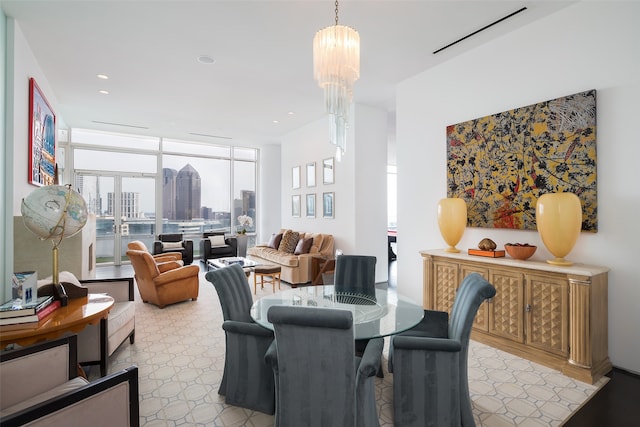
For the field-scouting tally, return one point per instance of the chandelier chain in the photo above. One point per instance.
(336, 12)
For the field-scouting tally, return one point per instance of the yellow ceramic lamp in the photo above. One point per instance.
(559, 220)
(452, 220)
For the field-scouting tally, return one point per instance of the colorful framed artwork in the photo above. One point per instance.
(327, 205)
(311, 174)
(327, 171)
(501, 164)
(42, 138)
(295, 206)
(311, 205)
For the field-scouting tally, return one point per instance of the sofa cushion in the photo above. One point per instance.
(217, 241)
(289, 241)
(63, 388)
(303, 246)
(317, 242)
(171, 245)
(274, 256)
(274, 241)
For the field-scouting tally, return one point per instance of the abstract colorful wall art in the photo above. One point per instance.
(501, 164)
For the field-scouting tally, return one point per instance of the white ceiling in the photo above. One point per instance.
(262, 51)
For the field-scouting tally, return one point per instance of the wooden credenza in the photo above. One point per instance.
(552, 315)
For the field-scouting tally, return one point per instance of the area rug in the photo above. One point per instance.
(179, 351)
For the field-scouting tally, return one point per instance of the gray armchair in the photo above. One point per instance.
(247, 381)
(319, 380)
(430, 383)
(209, 251)
(40, 386)
(168, 242)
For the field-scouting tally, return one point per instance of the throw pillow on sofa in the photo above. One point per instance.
(303, 246)
(274, 241)
(289, 241)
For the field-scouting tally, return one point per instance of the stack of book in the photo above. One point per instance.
(15, 314)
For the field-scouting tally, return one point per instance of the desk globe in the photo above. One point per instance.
(54, 212)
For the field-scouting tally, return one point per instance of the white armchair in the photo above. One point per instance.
(97, 342)
(40, 386)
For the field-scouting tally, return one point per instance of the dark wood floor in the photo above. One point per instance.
(616, 405)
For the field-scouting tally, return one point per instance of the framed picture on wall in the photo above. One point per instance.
(327, 205)
(295, 177)
(42, 138)
(311, 205)
(327, 171)
(311, 174)
(295, 205)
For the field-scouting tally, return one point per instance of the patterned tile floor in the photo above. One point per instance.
(179, 351)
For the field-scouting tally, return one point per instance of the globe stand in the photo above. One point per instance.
(58, 288)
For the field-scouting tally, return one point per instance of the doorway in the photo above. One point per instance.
(124, 206)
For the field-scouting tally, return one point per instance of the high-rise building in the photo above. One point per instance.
(129, 204)
(188, 192)
(169, 193)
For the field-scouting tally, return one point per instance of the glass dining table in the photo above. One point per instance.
(373, 317)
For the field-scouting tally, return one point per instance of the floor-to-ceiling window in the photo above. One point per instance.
(139, 187)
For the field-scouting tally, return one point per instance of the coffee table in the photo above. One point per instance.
(246, 263)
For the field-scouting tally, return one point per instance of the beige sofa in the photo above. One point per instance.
(295, 269)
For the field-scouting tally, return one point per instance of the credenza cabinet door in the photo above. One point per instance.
(506, 310)
(547, 313)
(446, 276)
(481, 321)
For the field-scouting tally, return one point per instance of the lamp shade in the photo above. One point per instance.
(452, 220)
(559, 221)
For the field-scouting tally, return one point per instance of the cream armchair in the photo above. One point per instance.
(97, 342)
(40, 386)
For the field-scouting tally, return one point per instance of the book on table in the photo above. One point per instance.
(17, 308)
(33, 318)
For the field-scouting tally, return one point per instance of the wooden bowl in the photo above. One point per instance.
(520, 251)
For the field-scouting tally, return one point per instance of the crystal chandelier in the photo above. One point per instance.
(336, 67)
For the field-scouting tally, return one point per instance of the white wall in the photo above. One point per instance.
(20, 66)
(269, 194)
(359, 225)
(589, 45)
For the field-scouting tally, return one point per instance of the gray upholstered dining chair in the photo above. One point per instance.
(319, 380)
(247, 381)
(356, 274)
(430, 382)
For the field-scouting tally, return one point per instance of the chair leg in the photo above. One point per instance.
(255, 283)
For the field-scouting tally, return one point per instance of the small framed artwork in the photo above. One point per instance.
(295, 206)
(327, 205)
(311, 205)
(311, 174)
(295, 177)
(327, 171)
(42, 138)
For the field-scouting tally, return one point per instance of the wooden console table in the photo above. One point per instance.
(556, 316)
(79, 313)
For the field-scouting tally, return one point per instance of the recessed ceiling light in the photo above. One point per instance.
(104, 92)
(276, 121)
(291, 113)
(102, 76)
(205, 59)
